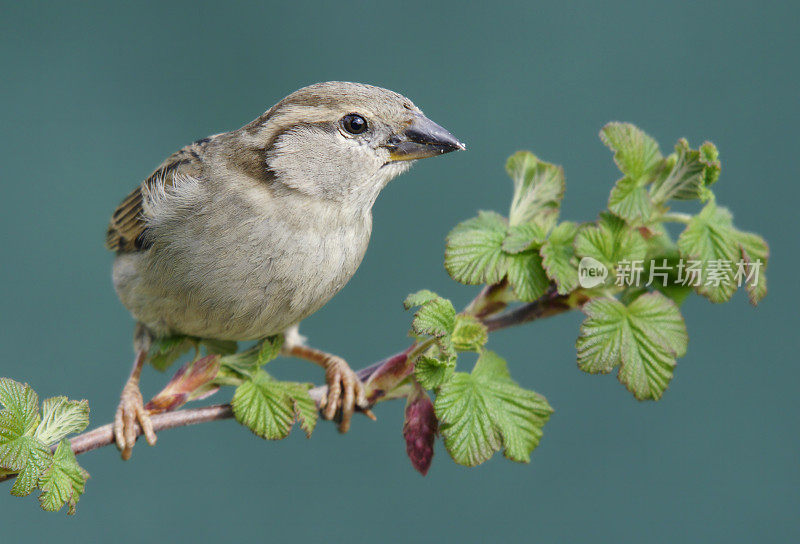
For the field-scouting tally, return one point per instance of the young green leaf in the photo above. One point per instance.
(219, 347)
(526, 275)
(269, 408)
(635, 152)
(755, 254)
(436, 318)
(610, 241)
(558, 257)
(643, 339)
(474, 251)
(538, 190)
(481, 412)
(21, 409)
(431, 372)
(63, 482)
(419, 298)
(469, 334)
(710, 240)
(630, 200)
(305, 409)
(31, 457)
(270, 349)
(692, 172)
(523, 237)
(165, 351)
(61, 417)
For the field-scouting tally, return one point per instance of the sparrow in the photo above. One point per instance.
(243, 234)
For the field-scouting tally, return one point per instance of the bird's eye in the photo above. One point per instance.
(354, 124)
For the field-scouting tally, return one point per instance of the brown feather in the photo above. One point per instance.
(127, 226)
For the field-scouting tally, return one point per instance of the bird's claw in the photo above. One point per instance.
(345, 393)
(129, 412)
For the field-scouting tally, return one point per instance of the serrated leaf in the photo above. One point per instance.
(474, 250)
(481, 412)
(31, 456)
(269, 408)
(711, 239)
(538, 190)
(523, 237)
(419, 430)
(63, 482)
(431, 372)
(690, 175)
(305, 409)
(165, 351)
(62, 417)
(635, 152)
(526, 276)
(630, 200)
(436, 318)
(469, 334)
(610, 241)
(270, 349)
(558, 257)
(219, 347)
(419, 298)
(754, 250)
(643, 339)
(21, 405)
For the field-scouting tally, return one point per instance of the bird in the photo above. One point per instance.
(243, 234)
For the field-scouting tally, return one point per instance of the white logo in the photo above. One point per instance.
(591, 273)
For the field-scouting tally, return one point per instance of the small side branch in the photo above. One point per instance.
(381, 377)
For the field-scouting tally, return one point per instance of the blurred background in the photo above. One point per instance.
(94, 96)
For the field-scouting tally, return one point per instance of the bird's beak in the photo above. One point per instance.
(422, 138)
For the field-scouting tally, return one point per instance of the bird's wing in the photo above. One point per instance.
(127, 226)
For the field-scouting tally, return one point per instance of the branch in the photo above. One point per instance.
(380, 378)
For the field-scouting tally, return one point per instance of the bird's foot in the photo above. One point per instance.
(345, 393)
(130, 412)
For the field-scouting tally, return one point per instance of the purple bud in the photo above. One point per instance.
(419, 430)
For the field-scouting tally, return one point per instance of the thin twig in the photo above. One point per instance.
(548, 305)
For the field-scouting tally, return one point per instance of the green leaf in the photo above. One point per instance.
(31, 457)
(165, 351)
(755, 254)
(558, 257)
(63, 482)
(436, 318)
(21, 413)
(692, 172)
(523, 237)
(419, 298)
(526, 276)
(630, 200)
(305, 409)
(643, 339)
(474, 251)
(484, 411)
(431, 372)
(61, 417)
(636, 153)
(270, 349)
(538, 190)
(711, 241)
(220, 347)
(269, 408)
(469, 334)
(610, 241)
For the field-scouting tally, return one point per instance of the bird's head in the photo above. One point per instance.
(345, 141)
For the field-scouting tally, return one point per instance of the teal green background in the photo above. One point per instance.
(94, 96)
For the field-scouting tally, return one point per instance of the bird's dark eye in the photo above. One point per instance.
(354, 124)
